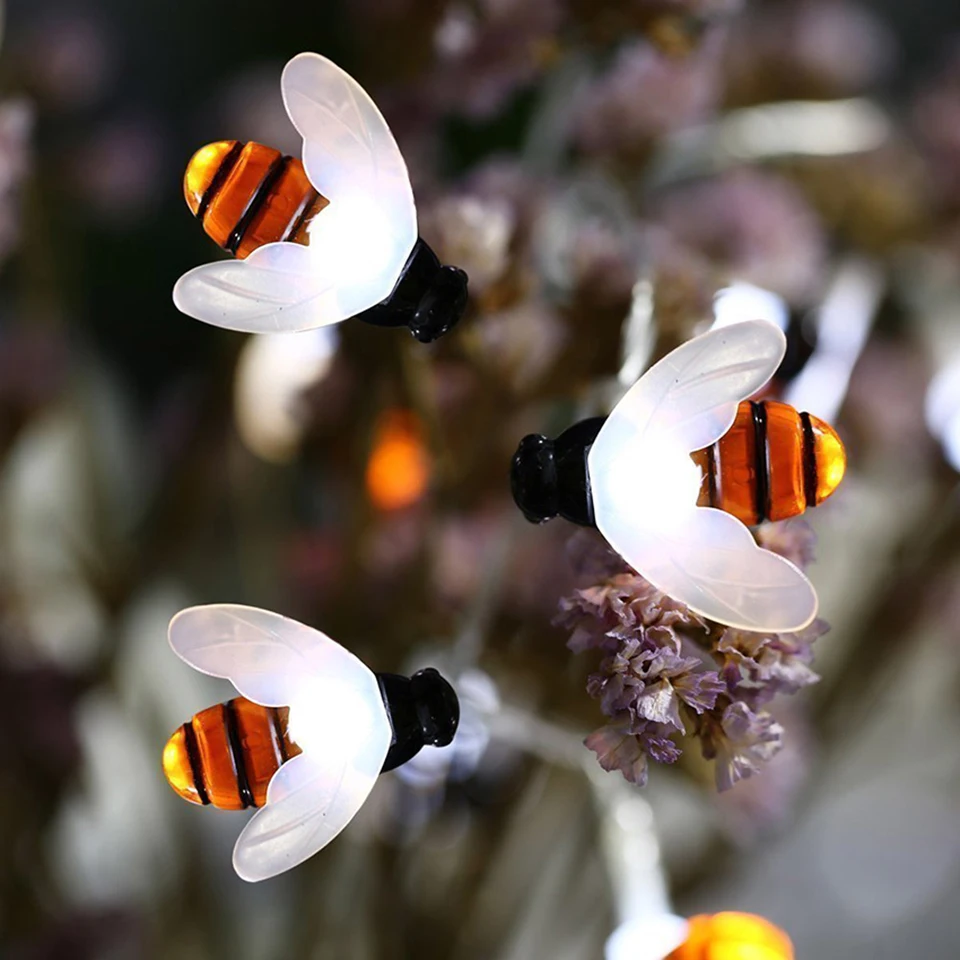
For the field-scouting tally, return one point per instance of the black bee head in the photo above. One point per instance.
(442, 305)
(533, 478)
(437, 706)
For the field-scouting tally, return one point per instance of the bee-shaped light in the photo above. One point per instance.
(733, 936)
(307, 739)
(323, 240)
(681, 465)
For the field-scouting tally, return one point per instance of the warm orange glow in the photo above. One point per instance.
(831, 458)
(398, 469)
(201, 170)
(262, 742)
(176, 767)
(734, 936)
(229, 185)
(795, 472)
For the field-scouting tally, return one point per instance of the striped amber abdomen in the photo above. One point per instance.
(771, 464)
(247, 195)
(227, 754)
(733, 936)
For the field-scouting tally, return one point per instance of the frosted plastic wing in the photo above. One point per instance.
(350, 156)
(708, 559)
(693, 392)
(348, 149)
(645, 486)
(269, 658)
(280, 287)
(310, 799)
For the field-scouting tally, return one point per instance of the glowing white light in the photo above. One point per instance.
(942, 411)
(804, 128)
(273, 371)
(353, 240)
(744, 301)
(658, 474)
(330, 720)
(843, 325)
(646, 938)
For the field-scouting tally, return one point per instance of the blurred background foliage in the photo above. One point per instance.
(597, 170)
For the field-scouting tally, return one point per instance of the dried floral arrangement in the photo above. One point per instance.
(600, 171)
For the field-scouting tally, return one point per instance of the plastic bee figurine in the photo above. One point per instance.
(679, 445)
(307, 739)
(733, 935)
(323, 240)
(730, 936)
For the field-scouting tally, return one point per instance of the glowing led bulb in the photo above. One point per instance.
(307, 739)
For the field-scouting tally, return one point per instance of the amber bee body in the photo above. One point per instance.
(295, 270)
(683, 437)
(246, 195)
(226, 755)
(773, 463)
(745, 935)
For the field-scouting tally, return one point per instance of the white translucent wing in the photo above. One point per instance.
(280, 287)
(358, 245)
(645, 486)
(351, 157)
(348, 149)
(269, 658)
(311, 798)
(693, 392)
(337, 717)
(708, 559)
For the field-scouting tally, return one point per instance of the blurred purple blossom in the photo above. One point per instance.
(504, 180)
(16, 128)
(756, 226)
(809, 49)
(621, 608)
(642, 687)
(471, 232)
(673, 26)
(520, 342)
(625, 744)
(603, 265)
(612, 117)
(489, 50)
(739, 740)
(793, 539)
(758, 803)
(662, 663)
(648, 678)
(758, 666)
(937, 116)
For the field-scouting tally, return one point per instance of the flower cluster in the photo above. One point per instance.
(667, 672)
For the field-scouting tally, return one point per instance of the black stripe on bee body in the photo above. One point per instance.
(196, 763)
(297, 222)
(270, 178)
(219, 178)
(236, 752)
(712, 474)
(281, 743)
(761, 463)
(809, 458)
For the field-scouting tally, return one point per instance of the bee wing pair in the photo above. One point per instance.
(645, 485)
(358, 246)
(344, 730)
